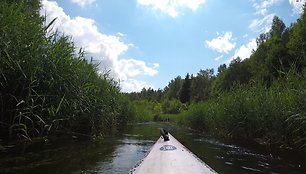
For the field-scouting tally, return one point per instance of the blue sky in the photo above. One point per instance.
(147, 43)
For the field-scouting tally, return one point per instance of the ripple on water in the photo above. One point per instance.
(136, 142)
(228, 163)
(219, 157)
(217, 143)
(251, 169)
(132, 135)
(264, 165)
(234, 155)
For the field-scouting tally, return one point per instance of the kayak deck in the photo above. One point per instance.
(168, 157)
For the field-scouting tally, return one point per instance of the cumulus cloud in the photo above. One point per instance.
(222, 44)
(245, 50)
(172, 7)
(297, 6)
(133, 68)
(135, 85)
(263, 24)
(82, 3)
(106, 49)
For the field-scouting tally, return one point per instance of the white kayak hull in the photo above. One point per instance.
(167, 157)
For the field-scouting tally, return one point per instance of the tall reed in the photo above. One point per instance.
(47, 86)
(274, 115)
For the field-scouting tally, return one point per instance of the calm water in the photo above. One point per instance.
(119, 154)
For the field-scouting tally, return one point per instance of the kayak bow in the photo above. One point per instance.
(168, 156)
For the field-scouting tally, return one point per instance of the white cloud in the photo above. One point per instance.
(245, 50)
(263, 24)
(133, 68)
(121, 34)
(132, 85)
(172, 7)
(262, 6)
(218, 58)
(105, 49)
(82, 3)
(297, 6)
(222, 44)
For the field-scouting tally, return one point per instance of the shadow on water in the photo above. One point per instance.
(119, 154)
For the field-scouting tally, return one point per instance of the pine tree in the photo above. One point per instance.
(185, 91)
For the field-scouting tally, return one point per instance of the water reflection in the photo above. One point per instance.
(124, 157)
(119, 154)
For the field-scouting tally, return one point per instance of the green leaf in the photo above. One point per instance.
(50, 24)
(59, 105)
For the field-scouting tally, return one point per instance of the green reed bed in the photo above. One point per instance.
(47, 86)
(274, 115)
(144, 110)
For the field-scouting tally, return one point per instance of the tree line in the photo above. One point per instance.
(280, 52)
(260, 98)
(48, 87)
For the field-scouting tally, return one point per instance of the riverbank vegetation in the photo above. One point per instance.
(47, 87)
(261, 98)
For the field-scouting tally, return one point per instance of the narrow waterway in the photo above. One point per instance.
(118, 154)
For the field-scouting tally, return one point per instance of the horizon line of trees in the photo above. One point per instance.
(280, 51)
(261, 98)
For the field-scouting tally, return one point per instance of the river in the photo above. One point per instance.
(118, 154)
